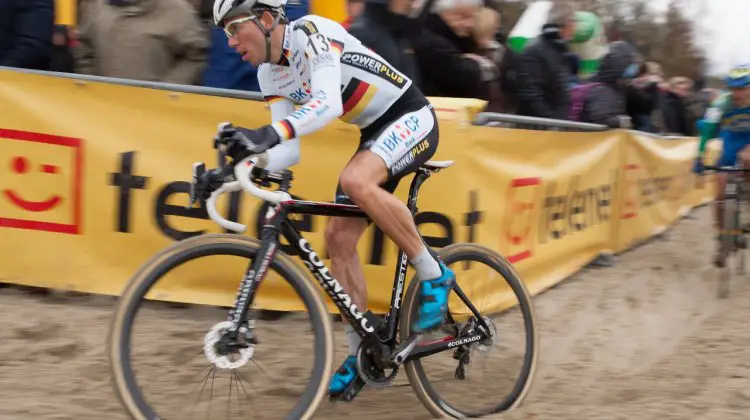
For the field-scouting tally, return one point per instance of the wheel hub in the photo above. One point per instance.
(224, 352)
(485, 344)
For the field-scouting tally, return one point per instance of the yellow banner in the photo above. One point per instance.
(548, 198)
(66, 12)
(94, 181)
(331, 9)
(657, 186)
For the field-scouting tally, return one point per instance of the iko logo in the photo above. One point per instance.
(464, 341)
(332, 286)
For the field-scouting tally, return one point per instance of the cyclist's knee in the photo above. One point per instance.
(363, 175)
(342, 235)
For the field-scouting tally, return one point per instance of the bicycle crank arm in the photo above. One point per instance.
(404, 349)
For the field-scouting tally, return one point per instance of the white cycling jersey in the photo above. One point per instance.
(332, 75)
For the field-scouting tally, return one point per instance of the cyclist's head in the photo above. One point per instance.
(251, 26)
(738, 82)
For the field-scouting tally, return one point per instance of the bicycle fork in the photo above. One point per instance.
(254, 275)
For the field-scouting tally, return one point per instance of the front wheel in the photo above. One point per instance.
(182, 347)
(728, 245)
(499, 386)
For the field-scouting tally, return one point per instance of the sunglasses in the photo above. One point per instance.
(230, 29)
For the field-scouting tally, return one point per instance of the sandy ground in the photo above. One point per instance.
(645, 339)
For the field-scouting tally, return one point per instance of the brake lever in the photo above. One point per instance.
(199, 168)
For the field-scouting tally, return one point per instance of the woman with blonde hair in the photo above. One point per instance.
(485, 36)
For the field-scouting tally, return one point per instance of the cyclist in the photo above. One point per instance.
(728, 118)
(314, 62)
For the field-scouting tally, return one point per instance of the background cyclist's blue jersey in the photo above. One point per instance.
(725, 121)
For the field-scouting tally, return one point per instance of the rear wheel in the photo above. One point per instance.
(288, 396)
(509, 308)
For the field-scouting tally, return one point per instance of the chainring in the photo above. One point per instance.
(371, 374)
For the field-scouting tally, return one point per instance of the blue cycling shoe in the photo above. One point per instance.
(346, 383)
(433, 301)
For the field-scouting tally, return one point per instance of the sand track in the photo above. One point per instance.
(644, 339)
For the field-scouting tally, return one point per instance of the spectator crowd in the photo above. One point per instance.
(456, 48)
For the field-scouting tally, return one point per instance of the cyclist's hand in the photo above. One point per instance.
(698, 167)
(241, 142)
(207, 183)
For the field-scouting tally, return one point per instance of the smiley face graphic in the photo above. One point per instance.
(21, 165)
(41, 182)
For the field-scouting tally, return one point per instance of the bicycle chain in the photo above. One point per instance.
(387, 383)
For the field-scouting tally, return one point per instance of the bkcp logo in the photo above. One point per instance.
(41, 185)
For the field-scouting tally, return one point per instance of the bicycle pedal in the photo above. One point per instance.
(349, 393)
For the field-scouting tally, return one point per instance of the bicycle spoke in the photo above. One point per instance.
(255, 362)
(211, 368)
(240, 378)
(211, 398)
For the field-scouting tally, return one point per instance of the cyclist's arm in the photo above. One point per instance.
(711, 124)
(325, 70)
(286, 153)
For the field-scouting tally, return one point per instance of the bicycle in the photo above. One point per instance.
(732, 237)
(388, 343)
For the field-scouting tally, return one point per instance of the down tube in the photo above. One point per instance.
(363, 323)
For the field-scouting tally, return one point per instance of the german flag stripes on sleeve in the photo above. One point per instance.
(272, 99)
(285, 129)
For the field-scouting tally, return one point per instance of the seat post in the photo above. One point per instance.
(420, 176)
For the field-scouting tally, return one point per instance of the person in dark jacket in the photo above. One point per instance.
(386, 27)
(605, 100)
(544, 88)
(674, 107)
(448, 56)
(642, 97)
(26, 33)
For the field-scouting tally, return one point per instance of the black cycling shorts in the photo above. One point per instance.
(404, 143)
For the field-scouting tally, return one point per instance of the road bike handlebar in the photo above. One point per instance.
(725, 169)
(243, 174)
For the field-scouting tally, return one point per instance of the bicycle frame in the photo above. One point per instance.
(733, 188)
(365, 324)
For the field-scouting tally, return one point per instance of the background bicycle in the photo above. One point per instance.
(732, 240)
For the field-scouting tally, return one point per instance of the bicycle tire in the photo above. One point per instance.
(118, 342)
(418, 380)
